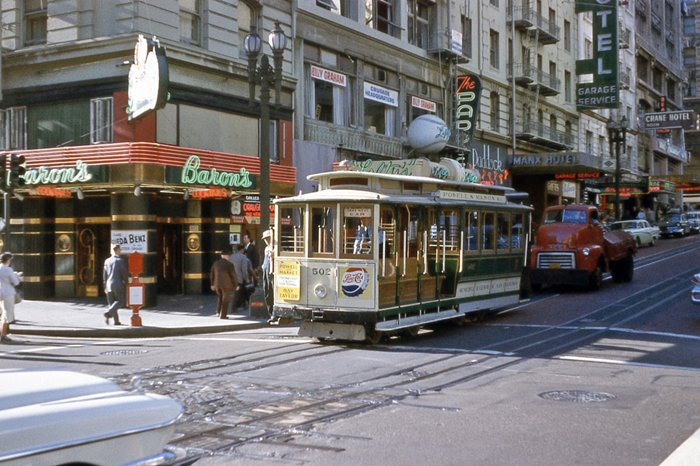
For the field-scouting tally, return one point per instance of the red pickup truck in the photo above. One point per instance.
(572, 248)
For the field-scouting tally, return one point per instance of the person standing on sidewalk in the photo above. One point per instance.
(268, 271)
(115, 277)
(243, 273)
(8, 281)
(224, 283)
(251, 252)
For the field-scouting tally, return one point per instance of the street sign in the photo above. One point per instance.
(681, 119)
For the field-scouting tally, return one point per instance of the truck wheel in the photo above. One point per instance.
(595, 280)
(627, 267)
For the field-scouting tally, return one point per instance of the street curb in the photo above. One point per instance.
(135, 332)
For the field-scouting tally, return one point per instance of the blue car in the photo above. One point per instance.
(674, 225)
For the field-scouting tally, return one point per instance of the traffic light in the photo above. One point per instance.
(3, 171)
(17, 170)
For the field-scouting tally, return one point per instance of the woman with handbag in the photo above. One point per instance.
(9, 279)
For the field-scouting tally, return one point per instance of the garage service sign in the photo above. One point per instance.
(682, 119)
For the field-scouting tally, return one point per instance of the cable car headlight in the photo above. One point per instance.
(586, 251)
(320, 291)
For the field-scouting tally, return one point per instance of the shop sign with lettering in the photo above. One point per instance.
(467, 94)
(681, 119)
(603, 90)
(149, 78)
(80, 173)
(490, 160)
(329, 76)
(423, 104)
(381, 94)
(131, 240)
(192, 174)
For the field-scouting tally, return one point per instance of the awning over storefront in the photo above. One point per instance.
(149, 165)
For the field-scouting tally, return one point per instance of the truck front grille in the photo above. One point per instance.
(556, 260)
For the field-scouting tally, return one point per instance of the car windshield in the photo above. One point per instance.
(617, 226)
(565, 216)
(672, 218)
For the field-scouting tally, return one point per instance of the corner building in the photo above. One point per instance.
(176, 184)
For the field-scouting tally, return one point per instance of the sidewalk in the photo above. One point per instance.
(173, 316)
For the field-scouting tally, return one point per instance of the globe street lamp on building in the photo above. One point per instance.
(617, 133)
(265, 75)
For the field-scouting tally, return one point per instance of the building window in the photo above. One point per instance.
(35, 22)
(191, 22)
(380, 109)
(421, 20)
(495, 110)
(101, 120)
(335, 6)
(328, 96)
(13, 128)
(589, 142)
(493, 48)
(567, 86)
(567, 36)
(247, 17)
(381, 15)
(466, 36)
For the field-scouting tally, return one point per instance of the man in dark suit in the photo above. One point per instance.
(251, 252)
(224, 283)
(115, 277)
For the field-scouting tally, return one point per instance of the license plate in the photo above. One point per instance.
(554, 265)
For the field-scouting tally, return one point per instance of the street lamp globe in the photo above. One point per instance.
(277, 39)
(252, 42)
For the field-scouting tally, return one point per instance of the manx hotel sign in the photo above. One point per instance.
(603, 90)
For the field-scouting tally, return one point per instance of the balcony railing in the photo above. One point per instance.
(538, 133)
(665, 146)
(357, 139)
(527, 18)
(529, 76)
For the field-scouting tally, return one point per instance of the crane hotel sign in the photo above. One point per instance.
(603, 91)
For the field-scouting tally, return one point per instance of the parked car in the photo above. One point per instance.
(641, 230)
(64, 417)
(674, 225)
(694, 219)
(695, 292)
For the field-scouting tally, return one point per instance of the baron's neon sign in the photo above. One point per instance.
(191, 174)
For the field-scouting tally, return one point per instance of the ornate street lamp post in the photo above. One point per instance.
(265, 75)
(617, 133)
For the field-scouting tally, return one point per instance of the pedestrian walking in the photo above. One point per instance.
(243, 273)
(9, 279)
(251, 252)
(268, 271)
(224, 283)
(115, 277)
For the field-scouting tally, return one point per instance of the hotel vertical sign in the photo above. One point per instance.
(603, 91)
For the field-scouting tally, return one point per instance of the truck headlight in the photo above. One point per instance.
(586, 251)
(320, 291)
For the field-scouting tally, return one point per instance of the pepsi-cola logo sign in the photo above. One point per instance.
(354, 281)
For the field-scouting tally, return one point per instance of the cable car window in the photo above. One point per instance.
(488, 231)
(291, 229)
(516, 232)
(502, 230)
(357, 230)
(471, 231)
(386, 233)
(322, 230)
